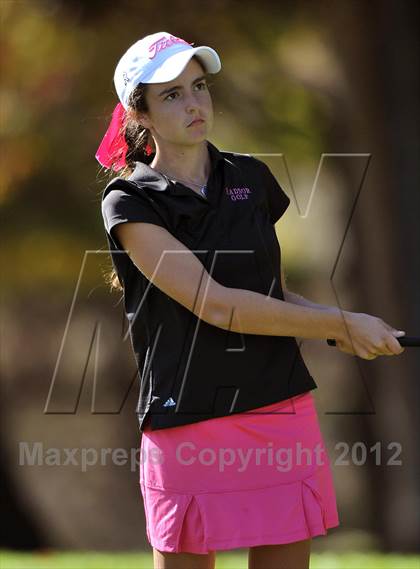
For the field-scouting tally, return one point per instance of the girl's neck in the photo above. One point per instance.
(186, 163)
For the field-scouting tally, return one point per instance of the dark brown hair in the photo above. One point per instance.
(137, 137)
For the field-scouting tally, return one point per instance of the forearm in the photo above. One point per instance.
(250, 312)
(294, 298)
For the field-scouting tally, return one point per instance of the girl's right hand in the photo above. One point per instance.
(368, 337)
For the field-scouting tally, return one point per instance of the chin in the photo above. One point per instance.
(197, 138)
(199, 133)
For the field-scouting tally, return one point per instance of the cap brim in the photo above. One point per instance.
(175, 64)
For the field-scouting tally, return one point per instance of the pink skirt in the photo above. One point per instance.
(260, 477)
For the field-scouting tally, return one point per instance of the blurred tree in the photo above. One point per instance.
(377, 44)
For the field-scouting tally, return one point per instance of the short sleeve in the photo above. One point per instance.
(120, 205)
(277, 200)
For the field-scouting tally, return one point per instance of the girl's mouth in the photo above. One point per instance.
(196, 122)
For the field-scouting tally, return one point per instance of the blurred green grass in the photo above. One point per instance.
(93, 560)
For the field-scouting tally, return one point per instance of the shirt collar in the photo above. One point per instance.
(144, 174)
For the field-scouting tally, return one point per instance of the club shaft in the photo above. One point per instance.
(405, 341)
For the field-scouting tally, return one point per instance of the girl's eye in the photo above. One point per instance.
(202, 83)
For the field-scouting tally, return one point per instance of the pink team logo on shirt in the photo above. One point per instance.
(162, 43)
(238, 193)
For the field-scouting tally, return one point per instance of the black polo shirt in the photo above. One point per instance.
(189, 370)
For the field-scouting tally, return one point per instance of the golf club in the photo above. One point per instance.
(406, 341)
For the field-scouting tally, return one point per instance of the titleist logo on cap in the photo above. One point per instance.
(162, 43)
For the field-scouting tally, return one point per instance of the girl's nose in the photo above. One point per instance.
(191, 103)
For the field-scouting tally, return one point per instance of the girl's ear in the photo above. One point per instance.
(141, 118)
(146, 123)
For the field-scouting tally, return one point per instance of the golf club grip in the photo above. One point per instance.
(406, 341)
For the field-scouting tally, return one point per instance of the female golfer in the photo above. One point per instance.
(231, 451)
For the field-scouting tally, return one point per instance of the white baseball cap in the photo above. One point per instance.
(158, 58)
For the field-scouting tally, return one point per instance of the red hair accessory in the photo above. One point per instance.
(112, 151)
